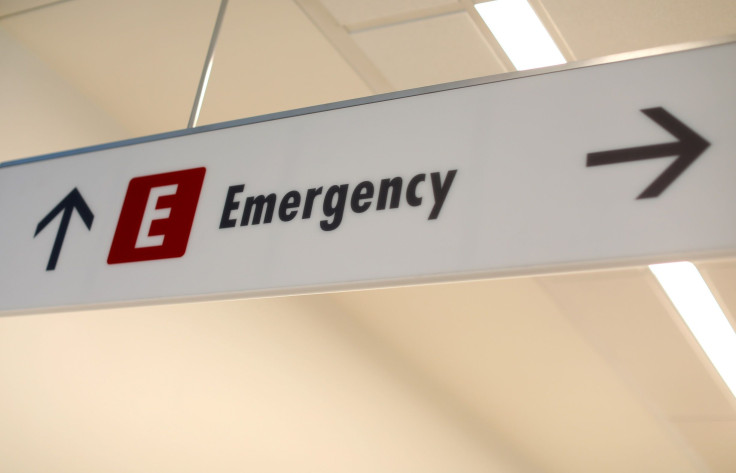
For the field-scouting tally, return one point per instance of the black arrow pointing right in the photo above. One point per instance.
(689, 146)
(73, 200)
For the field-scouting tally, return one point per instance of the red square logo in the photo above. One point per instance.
(157, 216)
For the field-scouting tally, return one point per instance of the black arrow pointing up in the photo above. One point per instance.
(72, 201)
(689, 146)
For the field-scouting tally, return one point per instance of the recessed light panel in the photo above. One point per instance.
(520, 33)
(699, 309)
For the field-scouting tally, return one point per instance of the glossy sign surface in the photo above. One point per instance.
(603, 165)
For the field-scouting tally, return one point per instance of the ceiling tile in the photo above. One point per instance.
(513, 362)
(269, 58)
(594, 28)
(431, 51)
(42, 112)
(721, 278)
(139, 61)
(630, 320)
(348, 12)
(262, 385)
(716, 439)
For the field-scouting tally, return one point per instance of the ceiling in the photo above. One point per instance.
(127, 69)
(563, 373)
(572, 372)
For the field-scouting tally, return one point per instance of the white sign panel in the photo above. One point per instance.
(617, 163)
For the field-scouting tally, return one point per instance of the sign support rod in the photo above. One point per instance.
(202, 88)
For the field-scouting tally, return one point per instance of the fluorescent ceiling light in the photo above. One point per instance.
(520, 33)
(698, 308)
